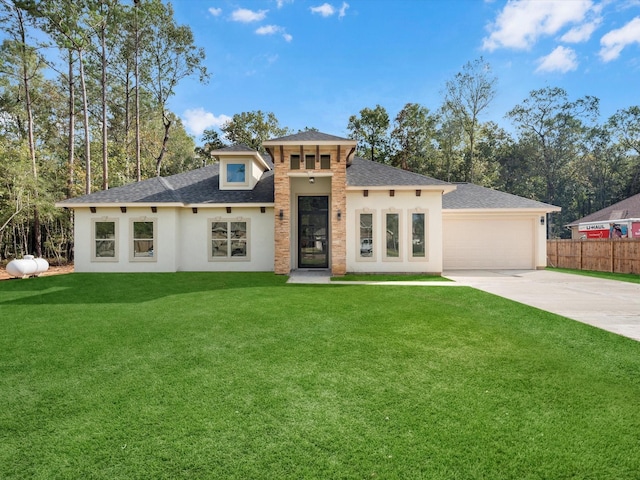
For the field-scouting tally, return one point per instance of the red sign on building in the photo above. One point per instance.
(600, 230)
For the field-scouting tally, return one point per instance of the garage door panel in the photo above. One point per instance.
(488, 243)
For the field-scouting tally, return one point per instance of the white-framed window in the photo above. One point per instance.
(143, 234)
(229, 239)
(105, 240)
(365, 234)
(392, 235)
(418, 221)
(235, 173)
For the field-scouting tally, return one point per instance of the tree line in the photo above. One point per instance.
(557, 150)
(84, 88)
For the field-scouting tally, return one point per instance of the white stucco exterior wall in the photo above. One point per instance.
(164, 259)
(194, 240)
(182, 241)
(378, 202)
(541, 240)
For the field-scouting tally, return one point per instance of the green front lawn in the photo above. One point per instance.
(623, 277)
(239, 376)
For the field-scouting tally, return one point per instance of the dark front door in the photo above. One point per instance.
(313, 230)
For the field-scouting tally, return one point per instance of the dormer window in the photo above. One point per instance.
(240, 167)
(236, 173)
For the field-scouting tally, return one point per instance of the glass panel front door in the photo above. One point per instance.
(313, 232)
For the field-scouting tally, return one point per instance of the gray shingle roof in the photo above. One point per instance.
(311, 136)
(470, 196)
(367, 173)
(195, 186)
(236, 148)
(240, 148)
(201, 186)
(627, 208)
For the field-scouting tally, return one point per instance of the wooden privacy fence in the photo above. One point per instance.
(620, 255)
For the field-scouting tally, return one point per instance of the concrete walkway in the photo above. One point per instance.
(608, 304)
(324, 276)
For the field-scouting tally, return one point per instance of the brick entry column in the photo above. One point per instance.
(316, 144)
(339, 204)
(282, 202)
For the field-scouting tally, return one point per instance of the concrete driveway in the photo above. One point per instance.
(607, 304)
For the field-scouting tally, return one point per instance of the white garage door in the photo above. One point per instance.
(488, 242)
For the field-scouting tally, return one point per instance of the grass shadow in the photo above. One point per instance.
(91, 288)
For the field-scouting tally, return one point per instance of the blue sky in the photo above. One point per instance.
(315, 63)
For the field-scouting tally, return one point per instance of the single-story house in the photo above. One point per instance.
(621, 219)
(309, 204)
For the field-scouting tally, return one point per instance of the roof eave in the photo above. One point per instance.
(322, 143)
(536, 210)
(230, 205)
(240, 153)
(444, 188)
(66, 204)
(606, 220)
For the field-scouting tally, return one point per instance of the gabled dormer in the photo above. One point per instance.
(241, 167)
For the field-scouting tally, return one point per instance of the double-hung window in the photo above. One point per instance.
(229, 240)
(143, 238)
(105, 234)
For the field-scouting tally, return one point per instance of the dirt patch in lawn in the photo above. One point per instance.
(53, 270)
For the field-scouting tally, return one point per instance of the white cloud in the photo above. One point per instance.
(581, 33)
(562, 59)
(343, 9)
(216, 12)
(245, 15)
(326, 10)
(197, 120)
(281, 3)
(613, 42)
(268, 30)
(522, 22)
(272, 30)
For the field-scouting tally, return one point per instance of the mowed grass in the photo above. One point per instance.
(622, 277)
(239, 376)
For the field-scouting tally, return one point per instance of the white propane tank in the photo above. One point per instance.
(27, 266)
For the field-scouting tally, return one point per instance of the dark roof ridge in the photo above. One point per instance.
(236, 147)
(170, 189)
(309, 136)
